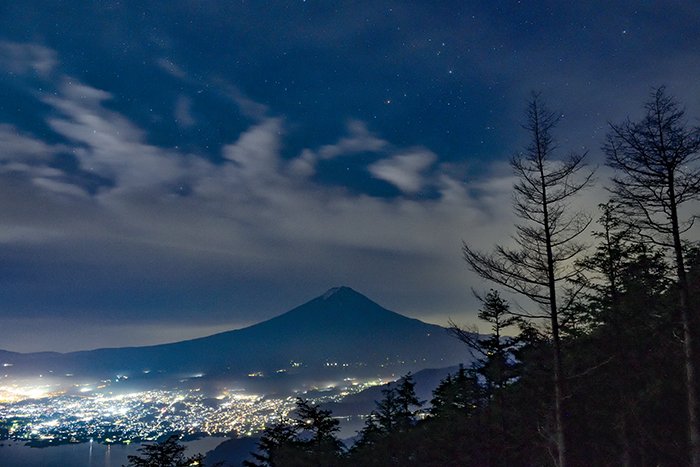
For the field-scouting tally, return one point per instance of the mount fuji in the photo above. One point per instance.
(341, 332)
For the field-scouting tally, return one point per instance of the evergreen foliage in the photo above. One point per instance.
(308, 439)
(628, 310)
(539, 265)
(658, 171)
(168, 453)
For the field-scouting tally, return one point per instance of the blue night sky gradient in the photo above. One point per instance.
(172, 169)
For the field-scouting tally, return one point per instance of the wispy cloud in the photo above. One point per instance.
(359, 139)
(248, 107)
(18, 147)
(24, 57)
(256, 152)
(250, 210)
(106, 143)
(183, 112)
(58, 186)
(171, 68)
(191, 228)
(405, 171)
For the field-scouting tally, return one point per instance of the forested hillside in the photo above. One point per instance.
(594, 360)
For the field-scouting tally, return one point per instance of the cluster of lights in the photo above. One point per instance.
(16, 393)
(145, 415)
(93, 411)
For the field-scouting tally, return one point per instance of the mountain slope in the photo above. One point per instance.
(363, 402)
(340, 329)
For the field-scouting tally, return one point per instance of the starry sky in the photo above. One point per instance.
(174, 169)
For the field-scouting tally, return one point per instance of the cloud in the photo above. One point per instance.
(183, 112)
(358, 140)
(304, 165)
(108, 144)
(18, 147)
(256, 152)
(58, 186)
(246, 218)
(248, 107)
(31, 157)
(171, 68)
(24, 57)
(184, 239)
(405, 171)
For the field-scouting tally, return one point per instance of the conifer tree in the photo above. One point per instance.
(309, 438)
(320, 425)
(370, 434)
(540, 264)
(658, 170)
(626, 282)
(276, 438)
(168, 453)
(458, 394)
(406, 400)
(387, 410)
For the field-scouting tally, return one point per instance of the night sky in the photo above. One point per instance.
(173, 169)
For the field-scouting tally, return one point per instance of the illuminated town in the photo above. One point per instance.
(42, 415)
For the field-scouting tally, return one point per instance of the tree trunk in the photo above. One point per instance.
(684, 304)
(554, 317)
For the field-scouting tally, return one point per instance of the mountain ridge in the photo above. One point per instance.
(341, 327)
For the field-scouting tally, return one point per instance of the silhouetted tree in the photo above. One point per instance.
(540, 266)
(387, 410)
(371, 433)
(458, 394)
(168, 453)
(605, 311)
(307, 439)
(311, 420)
(406, 401)
(493, 352)
(605, 265)
(395, 411)
(495, 362)
(384, 438)
(275, 441)
(658, 164)
(629, 312)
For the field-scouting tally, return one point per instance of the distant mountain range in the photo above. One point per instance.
(364, 402)
(341, 332)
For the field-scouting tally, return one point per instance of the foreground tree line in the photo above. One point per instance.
(603, 368)
(624, 391)
(597, 365)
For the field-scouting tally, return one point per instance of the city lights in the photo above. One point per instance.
(43, 416)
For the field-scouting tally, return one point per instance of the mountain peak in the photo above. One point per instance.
(335, 291)
(341, 310)
(341, 325)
